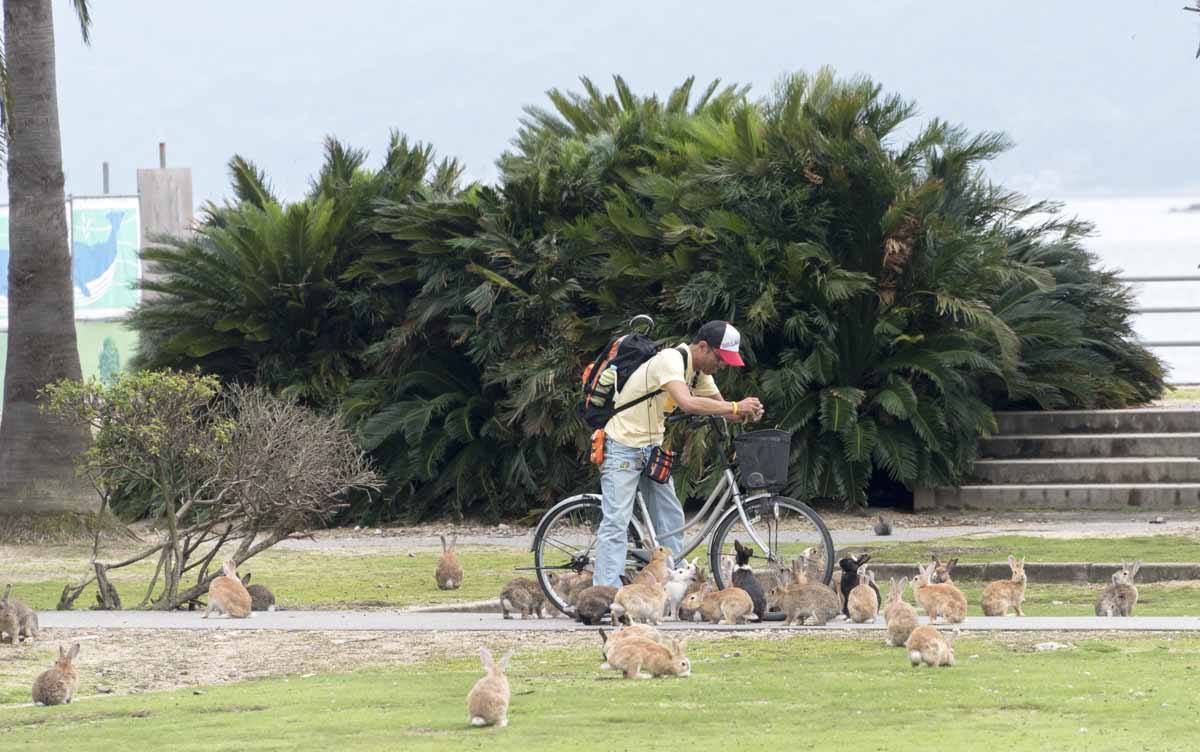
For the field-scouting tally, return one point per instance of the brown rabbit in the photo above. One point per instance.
(689, 614)
(813, 561)
(524, 595)
(642, 659)
(801, 598)
(487, 702)
(862, 602)
(929, 646)
(632, 632)
(729, 606)
(1002, 595)
(227, 595)
(261, 597)
(659, 566)
(57, 685)
(944, 600)
(645, 602)
(449, 572)
(1121, 595)
(27, 618)
(941, 571)
(900, 617)
(592, 604)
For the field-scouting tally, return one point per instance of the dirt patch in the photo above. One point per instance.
(123, 662)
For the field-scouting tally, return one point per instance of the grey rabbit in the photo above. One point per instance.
(261, 597)
(593, 603)
(524, 596)
(25, 618)
(1121, 595)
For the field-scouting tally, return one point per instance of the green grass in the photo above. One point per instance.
(985, 549)
(1136, 693)
(300, 580)
(347, 579)
(1189, 394)
(1080, 600)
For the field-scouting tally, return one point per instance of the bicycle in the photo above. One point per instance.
(779, 528)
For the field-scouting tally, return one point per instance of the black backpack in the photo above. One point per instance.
(624, 354)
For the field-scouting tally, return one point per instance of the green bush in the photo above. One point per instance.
(889, 295)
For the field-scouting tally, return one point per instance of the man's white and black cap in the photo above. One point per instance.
(722, 337)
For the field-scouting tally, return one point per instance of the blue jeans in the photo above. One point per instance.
(620, 479)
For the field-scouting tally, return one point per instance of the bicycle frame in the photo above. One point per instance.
(726, 490)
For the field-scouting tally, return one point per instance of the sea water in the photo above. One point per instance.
(1144, 237)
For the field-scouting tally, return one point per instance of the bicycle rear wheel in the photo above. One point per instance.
(565, 543)
(789, 528)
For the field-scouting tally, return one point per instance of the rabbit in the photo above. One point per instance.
(592, 604)
(27, 618)
(729, 606)
(899, 615)
(642, 659)
(800, 598)
(1120, 596)
(449, 573)
(570, 585)
(523, 595)
(632, 632)
(678, 584)
(227, 595)
(849, 580)
(9, 625)
(659, 565)
(727, 570)
(813, 559)
(261, 597)
(645, 601)
(743, 577)
(943, 599)
(487, 702)
(1002, 595)
(57, 685)
(941, 572)
(929, 646)
(689, 614)
(863, 600)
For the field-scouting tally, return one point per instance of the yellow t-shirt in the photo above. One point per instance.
(643, 424)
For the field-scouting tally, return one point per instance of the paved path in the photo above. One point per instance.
(415, 622)
(1042, 523)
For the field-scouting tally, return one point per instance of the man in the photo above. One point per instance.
(683, 376)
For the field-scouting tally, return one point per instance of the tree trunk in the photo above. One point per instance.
(37, 453)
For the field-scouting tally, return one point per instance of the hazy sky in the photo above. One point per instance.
(1101, 97)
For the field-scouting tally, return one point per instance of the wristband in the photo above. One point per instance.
(735, 407)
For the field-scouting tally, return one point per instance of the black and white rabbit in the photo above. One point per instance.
(850, 579)
(743, 577)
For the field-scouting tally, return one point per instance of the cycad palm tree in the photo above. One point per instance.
(37, 453)
(259, 294)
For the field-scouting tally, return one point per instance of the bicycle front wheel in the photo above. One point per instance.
(787, 527)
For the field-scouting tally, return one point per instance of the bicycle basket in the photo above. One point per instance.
(763, 457)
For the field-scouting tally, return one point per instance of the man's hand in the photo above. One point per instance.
(750, 408)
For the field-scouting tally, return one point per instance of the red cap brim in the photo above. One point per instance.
(730, 357)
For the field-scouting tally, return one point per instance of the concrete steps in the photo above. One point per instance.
(1142, 420)
(1069, 446)
(1102, 460)
(1088, 470)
